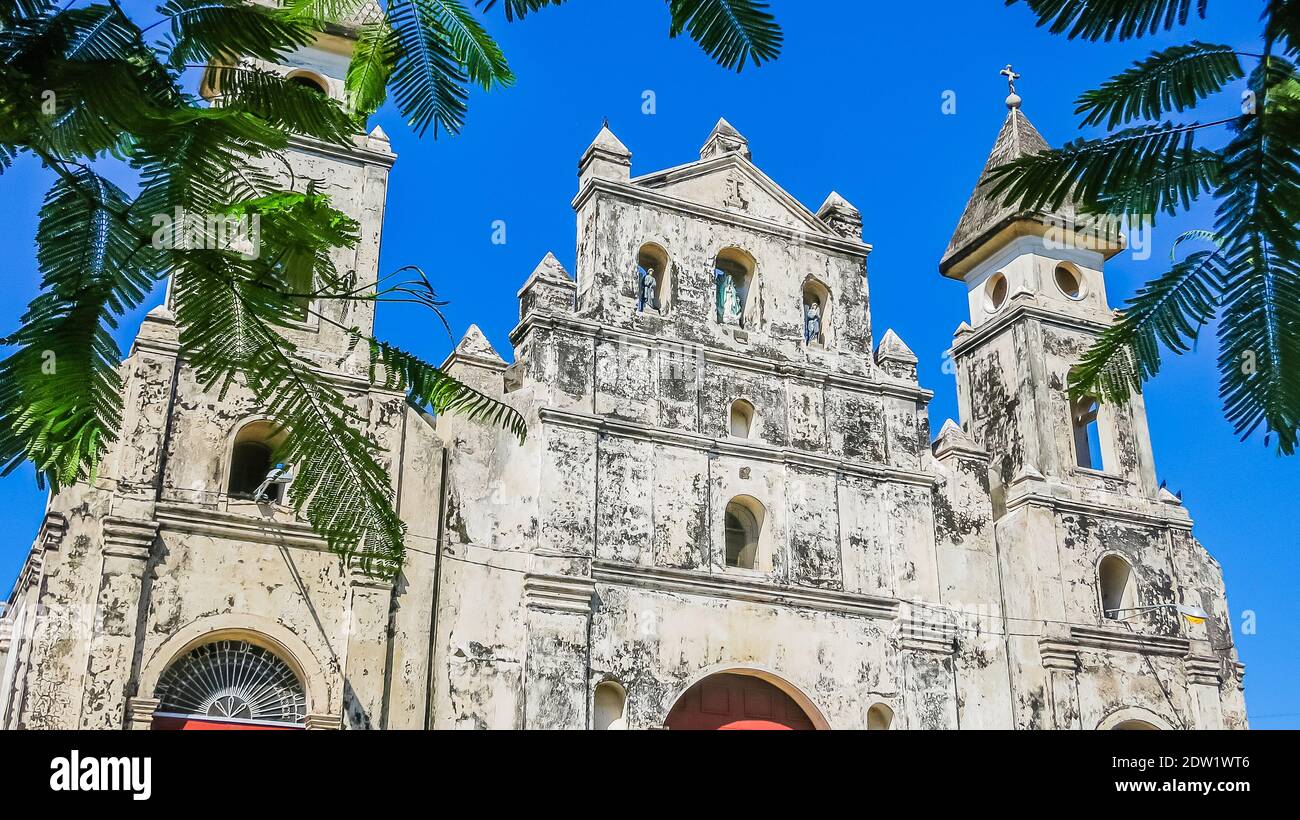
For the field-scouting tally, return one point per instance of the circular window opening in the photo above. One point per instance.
(1069, 281)
(995, 292)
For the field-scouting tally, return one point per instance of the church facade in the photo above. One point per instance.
(730, 509)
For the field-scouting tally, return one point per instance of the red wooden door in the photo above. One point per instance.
(727, 701)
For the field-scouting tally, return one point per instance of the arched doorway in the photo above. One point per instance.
(730, 701)
(230, 684)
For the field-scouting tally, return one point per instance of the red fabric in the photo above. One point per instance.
(727, 701)
(200, 724)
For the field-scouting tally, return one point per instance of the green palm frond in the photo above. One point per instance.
(280, 102)
(731, 31)
(320, 12)
(1176, 180)
(1171, 310)
(428, 386)
(1111, 19)
(1175, 79)
(518, 9)
(1117, 167)
(472, 46)
(60, 392)
(1259, 223)
(373, 60)
(206, 30)
(428, 82)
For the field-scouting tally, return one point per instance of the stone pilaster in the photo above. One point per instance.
(926, 648)
(127, 546)
(555, 663)
(323, 722)
(1204, 675)
(367, 652)
(1060, 657)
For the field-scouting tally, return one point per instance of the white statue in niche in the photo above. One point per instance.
(730, 309)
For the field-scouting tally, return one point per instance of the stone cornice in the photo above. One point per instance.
(353, 153)
(1124, 641)
(232, 526)
(1059, 653)
(715, 585)
(744, 448)
(561, 593)
(635, 193)
(927, 635)
(740, 361)
(1070, 505)
(1015, 313)
(1203, 670)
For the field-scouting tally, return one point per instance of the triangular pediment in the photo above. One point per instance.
(732, 183)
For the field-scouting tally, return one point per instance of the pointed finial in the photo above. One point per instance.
(1013, 100)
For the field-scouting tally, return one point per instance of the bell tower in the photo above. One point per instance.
(354, 177)
(1037, 300)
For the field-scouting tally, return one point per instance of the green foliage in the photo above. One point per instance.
(81, 84)
(1251, 281)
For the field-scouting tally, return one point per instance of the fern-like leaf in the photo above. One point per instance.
(731, 31)
(1175, 79)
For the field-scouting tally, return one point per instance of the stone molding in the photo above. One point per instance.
(1117, 641)
(1203, 670)
(1015, 312)
(139, 712)
(323, 722)
(1059, 653)
(6, 633)
(129, 538)
(864, 384)
(192, 518)
(720, 585)
(926, 635)
(1069, 505)
(562, 593)
(744, 448)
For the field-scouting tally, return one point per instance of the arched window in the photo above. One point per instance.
(742, 418)
(652, 272)
(1087, 433)
(995, 292)
(1135, 726)
(733, 279)
(1117, 587)
(309, 79)
(232, 680)
(1069, 281)
(250, 461)
(816, 315)
(879, 717)
(608, 706)
(743, 527)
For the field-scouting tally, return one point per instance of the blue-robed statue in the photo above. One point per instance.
(812, 320)
(647, 286)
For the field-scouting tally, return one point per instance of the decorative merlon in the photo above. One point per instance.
(563, 593)
(475, 349)
(607, 157)
(725, 139)
(841, 216)
(551, 271)
(953, 439)
(896, 358)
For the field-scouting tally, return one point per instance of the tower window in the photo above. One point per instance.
(1069, 281)
(995, 292)
(744, 522)
(250, 461)
(312, 81)
(609, 706)
(1117, 587)
(742, 418)
(1087, 434)
(652, 279)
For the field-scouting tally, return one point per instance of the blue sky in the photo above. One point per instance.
(855, 105)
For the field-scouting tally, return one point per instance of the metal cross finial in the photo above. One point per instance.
(1011, 76)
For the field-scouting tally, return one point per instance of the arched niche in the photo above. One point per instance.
(653, 274)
